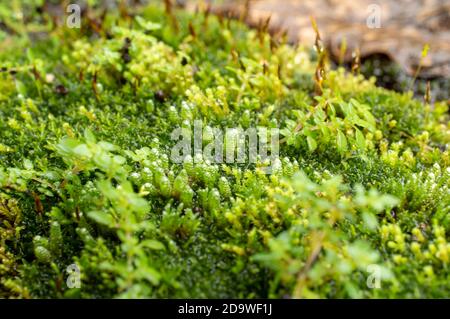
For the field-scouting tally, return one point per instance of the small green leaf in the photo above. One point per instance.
(66, 145)
(21, 88)
(312, 144)
(150, 274)
(341, 142)
(89, 136)
(147, 25)
(360, 140)
(82, 150)
(101, 218)
(153, 244)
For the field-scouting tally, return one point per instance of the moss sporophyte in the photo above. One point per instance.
(157, 153)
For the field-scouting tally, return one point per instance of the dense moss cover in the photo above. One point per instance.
(86, 176)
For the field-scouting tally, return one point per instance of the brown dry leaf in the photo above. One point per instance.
(406, 27)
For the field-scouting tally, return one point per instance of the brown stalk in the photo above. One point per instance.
(312, 258)
(38, 204)
(169, 11)
(356, 62)
(427, 96)
(94, 85)
(206, 14)
(192, 30)
(245, 11)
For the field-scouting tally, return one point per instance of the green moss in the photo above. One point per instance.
(86, 176)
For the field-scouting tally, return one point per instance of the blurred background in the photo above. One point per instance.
(389, 34)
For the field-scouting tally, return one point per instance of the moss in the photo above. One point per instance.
(86, 174)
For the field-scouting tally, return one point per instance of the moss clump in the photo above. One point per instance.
(86, 179)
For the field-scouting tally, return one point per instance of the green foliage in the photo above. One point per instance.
(86, 176)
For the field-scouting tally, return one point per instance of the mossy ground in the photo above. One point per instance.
(85, 175)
